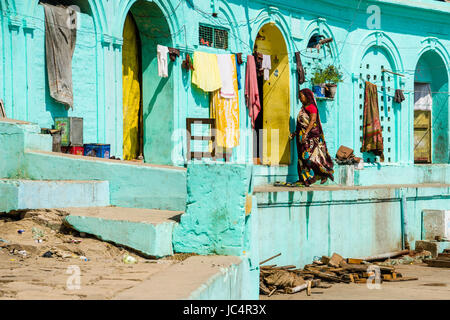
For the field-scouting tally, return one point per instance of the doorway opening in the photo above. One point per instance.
(148, 106)
(271, 138)
(431, 110)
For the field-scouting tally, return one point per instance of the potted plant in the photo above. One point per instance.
(318, 81)
(332, 77)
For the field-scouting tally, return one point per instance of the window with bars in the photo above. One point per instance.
(213, 37)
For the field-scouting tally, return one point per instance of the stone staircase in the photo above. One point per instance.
(148, 231)
(19, 194)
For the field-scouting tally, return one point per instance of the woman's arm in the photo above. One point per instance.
(312, 121)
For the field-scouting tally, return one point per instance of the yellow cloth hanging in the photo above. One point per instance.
(206, 74)
(131, 90)
(226, 113)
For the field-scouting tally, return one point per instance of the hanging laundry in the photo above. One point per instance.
(251, 90)
(422, 97)
(258, 62)
(226, 113)
(398, 96)
(59, 47)
(187, 63)
(206, 74)
(266, 66)
(238, 71)
(163, 68)
(226, 67)
(372, 135)
(173, 54)
(239, 58)
(300, 71)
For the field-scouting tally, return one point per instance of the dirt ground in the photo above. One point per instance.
(433, 284)
(26, 274)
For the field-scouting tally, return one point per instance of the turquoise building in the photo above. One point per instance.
(395, 44)
(367, 35)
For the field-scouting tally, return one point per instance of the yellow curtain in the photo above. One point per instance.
(131, 90)
(226, 113)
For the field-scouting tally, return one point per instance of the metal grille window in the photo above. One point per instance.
(212, 37)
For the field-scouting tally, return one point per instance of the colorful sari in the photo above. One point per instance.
(314, 162)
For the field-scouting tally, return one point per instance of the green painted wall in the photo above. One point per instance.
(215, 220)
(97, 66)
(356, 223)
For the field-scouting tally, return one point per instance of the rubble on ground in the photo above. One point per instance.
(335, 269)
(36, 234)
(441, 261)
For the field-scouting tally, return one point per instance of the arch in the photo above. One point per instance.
(321, 27)
(433, 44)
(148, 110)
(378, 39)
(272, 15)
(165, 6)
(273, 147)
(369, 63)
(431, 75)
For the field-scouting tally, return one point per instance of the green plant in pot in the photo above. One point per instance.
(318, 81)
(332, 77)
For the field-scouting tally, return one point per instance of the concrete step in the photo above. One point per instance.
(146, 230)
(196, 278)
(17, 194)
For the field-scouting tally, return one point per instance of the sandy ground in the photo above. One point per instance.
(433, 284)
(25, 274)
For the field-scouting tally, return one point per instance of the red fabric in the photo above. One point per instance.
(251, 90)
(311, 108)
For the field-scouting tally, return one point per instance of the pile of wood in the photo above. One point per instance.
(441, 261)
(289, 279)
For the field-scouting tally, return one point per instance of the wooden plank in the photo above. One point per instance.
(268, 259)
(335, 260)
(354, 261)
(402, 279)
(363, 268)
(437, 263)
(387, 277)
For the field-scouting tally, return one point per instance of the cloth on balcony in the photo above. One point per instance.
(238, 71)
(266, 66)
(300, 71)
(173, 54)
(163, 67)
(227, 69)
(206, 74)
(251, 90)
(226, 113)
(398, 96)
(60, 38)
(372, 135)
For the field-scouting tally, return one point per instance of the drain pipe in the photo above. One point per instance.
(403, 208)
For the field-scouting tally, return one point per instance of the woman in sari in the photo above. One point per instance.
(314, 162)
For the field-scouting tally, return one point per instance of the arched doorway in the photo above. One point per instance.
(147, 98)
(375, 60)
(431, 139)
(271, 144)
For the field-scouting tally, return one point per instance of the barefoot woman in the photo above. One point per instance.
(314, 162)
